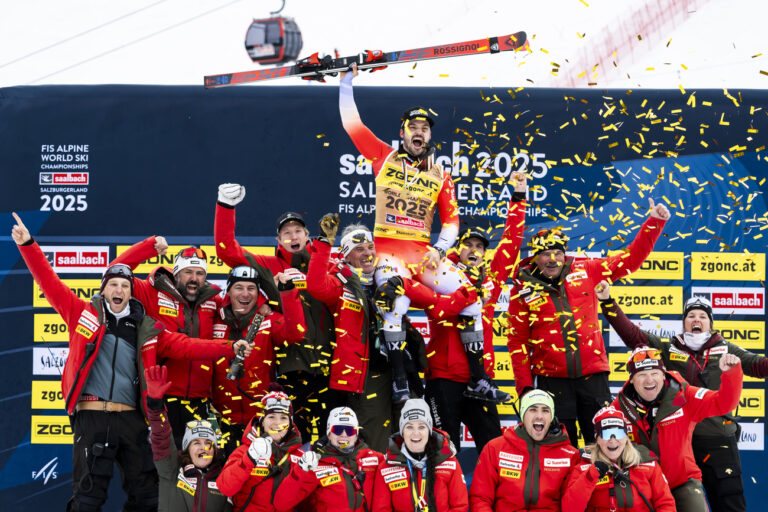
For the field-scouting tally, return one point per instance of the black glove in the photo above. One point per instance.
(387, 293)
(284, 287)
(621, 476)
(602, 468)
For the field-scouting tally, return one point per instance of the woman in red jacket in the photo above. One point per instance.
(527, 467)
(614, 475)
(271, 443)
(338, 475)
(420, 470)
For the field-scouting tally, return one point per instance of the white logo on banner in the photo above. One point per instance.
(49, 361)
(47, 472)
(661, 328)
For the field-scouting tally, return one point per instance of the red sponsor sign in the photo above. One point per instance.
(64, 178)
(68, 259)
(737, 300)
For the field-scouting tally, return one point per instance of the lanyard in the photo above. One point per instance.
(419, 503)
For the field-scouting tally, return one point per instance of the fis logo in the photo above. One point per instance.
(47, 472)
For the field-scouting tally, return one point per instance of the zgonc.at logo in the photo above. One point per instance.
(727, 301)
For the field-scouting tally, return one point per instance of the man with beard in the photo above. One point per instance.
(184, 302)
(410, 189)
(554, 332)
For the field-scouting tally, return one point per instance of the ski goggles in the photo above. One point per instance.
(192, 252)
(617, 432)
(642, 355)
(119, 270)
(356, 237)
(340, 430)
(199, 423)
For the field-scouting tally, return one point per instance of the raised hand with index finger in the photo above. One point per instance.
(20, 233)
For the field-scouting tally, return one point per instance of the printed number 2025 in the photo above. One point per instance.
(63, 203)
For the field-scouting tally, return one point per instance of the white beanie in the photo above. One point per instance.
(341, 416)
(199, 431)
(415, 409)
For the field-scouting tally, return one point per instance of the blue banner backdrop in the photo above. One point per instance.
(92, 169)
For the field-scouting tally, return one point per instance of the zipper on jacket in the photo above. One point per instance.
(114, 357)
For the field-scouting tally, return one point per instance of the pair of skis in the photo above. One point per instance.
(315, 67)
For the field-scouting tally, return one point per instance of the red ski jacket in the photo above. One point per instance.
(310, 355)
(394, 489)
(252, 486)
(333, 484)
(86, 324)
(338, 287)
(585, 489)
(554, 329)
(448, 359)
(259, 368)
(189, 379)
(680, 407)
(515, 473)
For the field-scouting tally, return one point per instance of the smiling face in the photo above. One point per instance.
(276, 425)
(648, 383)
(550, 262)
(416, 134)
(243, 296)
(201, 452)
(416, 434)
(363, 256)
(189, 281)
(612, 448)
(472, 252)
(537, 420)
(292, 236)
(697, 321)
(117, 293)
(343, 440)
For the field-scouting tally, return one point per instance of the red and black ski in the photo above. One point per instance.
(314, 67)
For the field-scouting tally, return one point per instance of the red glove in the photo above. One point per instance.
(157, 381)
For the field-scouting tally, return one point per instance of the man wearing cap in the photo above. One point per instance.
(339, 472)
(302, 367)
(271, 446)
(184, 302)
(361, 376)
(695, 354)
(234, 396)
(527, 467)
(111, 341)
(555, 340)
(662, 410)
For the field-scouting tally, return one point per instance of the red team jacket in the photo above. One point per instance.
(259, 367)
(448, 359)
(86, 325)
(330, 283)
(189, 379)
(680, 407)
(587, 491)
(393, 490)
(555, 332)
(244, 481)
(331, 484)
(514, 473)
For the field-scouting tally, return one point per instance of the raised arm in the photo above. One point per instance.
(140, 252)
(508, 250)
(705, 403)
(628, 261)
(291, 325)
(63, 300)
(449, 214)
(320, 284)
(370, 146)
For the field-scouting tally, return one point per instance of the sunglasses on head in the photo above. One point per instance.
(119, 269)
(192, 252)
(199, 423)
(645, 354)
(344, 429)
(608, 433)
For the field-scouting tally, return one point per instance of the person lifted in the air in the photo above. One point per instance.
(410, 188)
